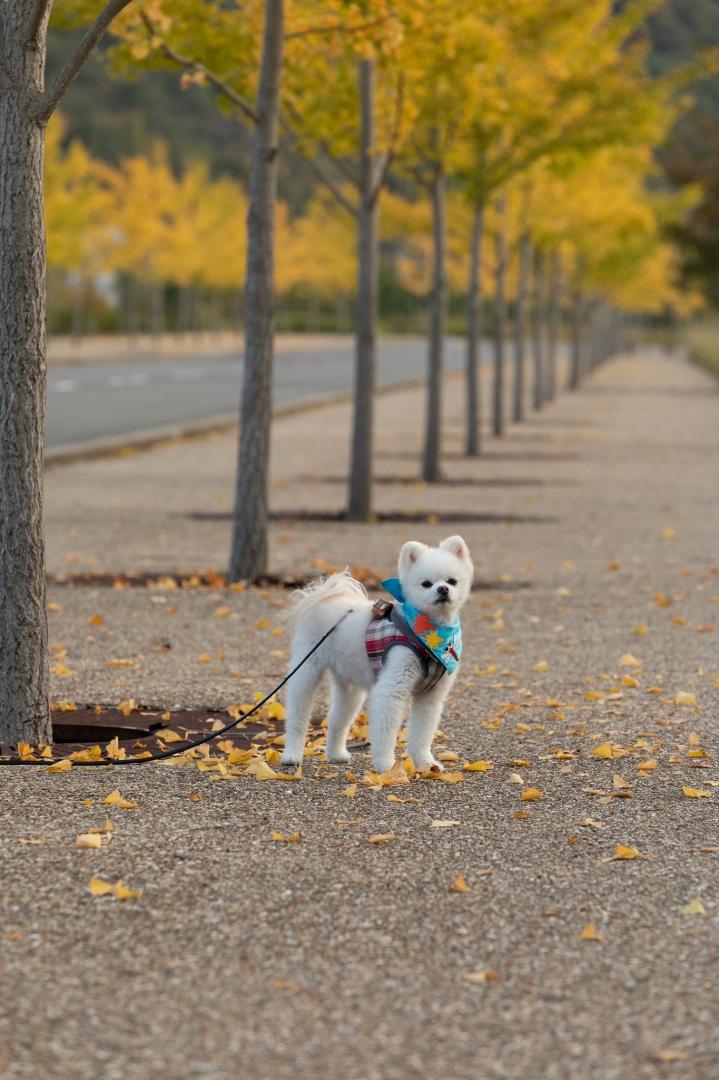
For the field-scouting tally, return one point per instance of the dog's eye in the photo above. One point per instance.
(451, 581)
(426, 584)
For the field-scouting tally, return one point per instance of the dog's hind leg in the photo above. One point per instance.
(300, 695)
(346, 703)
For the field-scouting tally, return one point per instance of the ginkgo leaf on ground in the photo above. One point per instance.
(60, 766)
(99, 887)
(444, 824)
(88, 840)
(609, 751)
(694, 907)
(459, 885)
(381, 838)
(478, 766)
(529, 794)
(102, 830)
(287, 838)
(590, 933)
(622, 853)
(116, 799)
(487, 975)
(696, 793)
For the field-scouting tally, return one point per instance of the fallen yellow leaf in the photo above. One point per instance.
(259, 768)
(444, 824)
(694, 907)
(622, 852)
(290, 838)
(459, 885)
(530, 794)
(685, 698)
(102, 830)
(696, 793)
(381, 838)
(60, 766)
(100, 887)
(486, 976)
(478, 766)
(608, 751)
(88, 840)
(116, 799)
(590, 933)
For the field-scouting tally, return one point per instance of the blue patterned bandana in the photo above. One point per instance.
(442, 641)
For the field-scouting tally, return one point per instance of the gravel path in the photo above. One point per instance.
(335, 957)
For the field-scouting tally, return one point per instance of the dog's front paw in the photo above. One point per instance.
(339, 757)
(383, 764)
(290, 759)
(424, 762)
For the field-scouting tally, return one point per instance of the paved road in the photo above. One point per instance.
(94, 401)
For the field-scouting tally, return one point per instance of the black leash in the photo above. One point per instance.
(162, 755)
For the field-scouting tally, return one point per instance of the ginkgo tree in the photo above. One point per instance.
(343, 110)
(26, 105)
(219, 47)
(443, 66)
(560, 79)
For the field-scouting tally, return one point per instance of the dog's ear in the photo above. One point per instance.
(457, 546)
(409, 554)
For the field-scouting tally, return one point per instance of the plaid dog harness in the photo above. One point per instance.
(438, 648)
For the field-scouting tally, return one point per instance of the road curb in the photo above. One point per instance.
(115, 445)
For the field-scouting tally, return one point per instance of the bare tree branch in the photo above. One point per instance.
(321, 173)
(194, 65)
(49, 100)
(340, 164)
(384, 162)
(337, 28)
(39, 12)
(317, 167)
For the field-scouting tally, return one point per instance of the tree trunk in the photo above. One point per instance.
(520, 326)
(79, 300)
(248, 557)
(575, 369)
(475, 312)
(553, 321)
(431, 468)
(359, 505)
(158, 308)
(538, 330)
(24, 701)
(500, 317)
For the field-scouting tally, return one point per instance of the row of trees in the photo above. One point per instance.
(497, 103)
(536, 117)
(159, 231)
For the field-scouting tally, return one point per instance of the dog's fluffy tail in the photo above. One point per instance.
(333, 587)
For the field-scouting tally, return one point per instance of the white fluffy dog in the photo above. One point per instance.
(404, 656)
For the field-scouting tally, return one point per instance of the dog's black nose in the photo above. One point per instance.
(443, 590)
